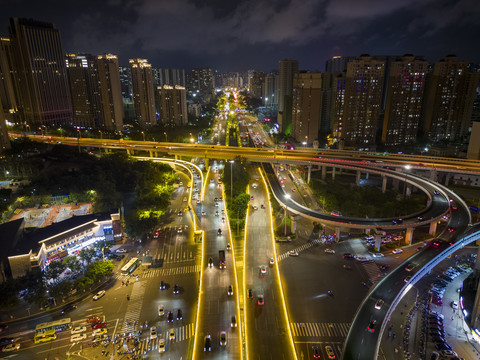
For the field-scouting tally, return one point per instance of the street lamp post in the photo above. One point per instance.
(166, 138)
(143, 134)
(287, 197)
(101, 134)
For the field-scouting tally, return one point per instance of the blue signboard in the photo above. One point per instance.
(473, 208)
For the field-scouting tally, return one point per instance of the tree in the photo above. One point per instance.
(83, 283)
(61, 289)
(54, 269)
(72, 263)
(87, 254)
(36, 291)
(98, 270)
(9, 298)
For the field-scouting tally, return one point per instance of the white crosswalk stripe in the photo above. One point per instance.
(320, 329)
(172, 271)
(134, 305)
(374, 273)
(181, 333)
(300, 248)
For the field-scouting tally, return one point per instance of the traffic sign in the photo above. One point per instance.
(473, 208)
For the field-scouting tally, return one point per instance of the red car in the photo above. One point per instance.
(93, 319)
(99, 325)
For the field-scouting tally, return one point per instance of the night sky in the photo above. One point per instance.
(240, 35)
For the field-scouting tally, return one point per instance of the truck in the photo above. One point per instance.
(221, 259)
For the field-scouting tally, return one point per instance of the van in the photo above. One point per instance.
(435, 356)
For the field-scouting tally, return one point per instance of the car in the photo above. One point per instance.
(184, 199)
(397, 251)
(292, 253)
(223, 338)
(329, 251)
(378, 254)
(3, 327)
(443, 346)
(93, 319)
(410, 267)
(397, 221)
(448, 352)
(348, 256)
(198, 201)
(68, 308)
(98, 295)
(251, 197)
(362, 258)
(454, 305)
(371, 326)
(379, 304)
(260, 300)
(179, 230)
(170, 317)
(329, 351)
(161, 345)
(272, 261)
(250, 293)
(175, 289)
(171, 334)
(161, 310)
(219, 232)
(451, 229)
(180, 213)
(216, 213)
(230, 290)
(293, 189)
(153, 333)
(233, 321)
(179, 314)
(207, 344)
(434, 244)
(122, 251)
(78, 337)
(263, 269)
(204, 213)
(384, 268)
(316, 353)
(210, 262)
(99, 325)
(99, 331)
(11, 347)
(162, 285)
(78, 330)
(421, 218)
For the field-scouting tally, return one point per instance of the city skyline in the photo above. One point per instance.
(255, 35)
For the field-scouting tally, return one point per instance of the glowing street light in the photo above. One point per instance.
(166, 138)
(143, 133)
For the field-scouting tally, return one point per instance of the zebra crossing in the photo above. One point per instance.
(180, 270)
(132, 315)
(317, 329)
(300, 248)
(169, 256)
(373, 272)
(181, 333)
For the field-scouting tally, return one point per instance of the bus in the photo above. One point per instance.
(44, 336)
(130, 266)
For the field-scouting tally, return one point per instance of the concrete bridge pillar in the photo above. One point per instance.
(433, 228)
(433, 175)
(378, 242)
(333, 173)
(176, 157)
(359, 176)
(206, 163)
(477, 262)
(475, 322)
(309, 173)
(156, 153)
(366, 176)
(447, 179)
(150, 153)
(409, 236)
(324, 172)
(384, 184)
(129, 152)
(337, 231)
(408, 191)
(340, 171)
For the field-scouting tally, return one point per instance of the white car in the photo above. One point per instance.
(78, 337)
(153, 333)
(263, 269)
(272, 261)
(122, 251)
(293, 253)
(330, 251)
(79, 330)
(379, 304)
(378, 255)
(161, 345)
(98, 295)
(161, 310)
(397, 251)
(454, 305)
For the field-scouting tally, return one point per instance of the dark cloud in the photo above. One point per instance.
(257, 33)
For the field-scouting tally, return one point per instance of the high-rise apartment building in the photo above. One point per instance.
(126, 82)
(338, 64)
(450, 95)
(111, 110)
(40, 73)
(363, 98)
(271, 90)
(338, 105)
(84, 90)
(143, 92)
(8, 93)
(287, 68)
(4, 140)
(255, 84)
(172, 102)
(200, 84)
(306, 106)
(168, 77)
(403, 108)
